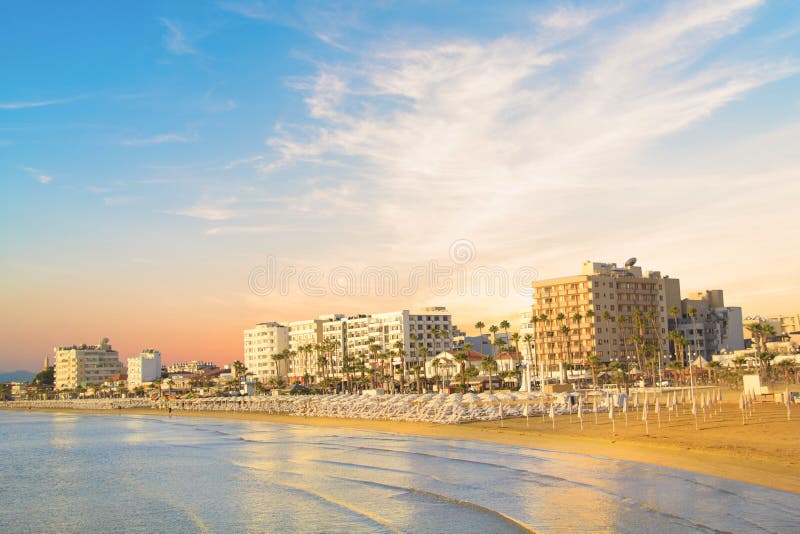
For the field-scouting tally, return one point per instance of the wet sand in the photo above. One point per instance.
(765, 450)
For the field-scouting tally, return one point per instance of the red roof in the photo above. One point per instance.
(508, 356)
(475, 356)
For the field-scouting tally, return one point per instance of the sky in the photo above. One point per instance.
(174, 172)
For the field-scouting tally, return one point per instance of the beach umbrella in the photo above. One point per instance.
(742, 405)
(788, 405)
(625, 408)
(644, 418)
(526, 413)
(657, 408)
(552, 413)
(611, 415)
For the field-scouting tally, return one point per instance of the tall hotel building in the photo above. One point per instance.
(597, 308)
(260, 344)
(88, 365)
(145, 367)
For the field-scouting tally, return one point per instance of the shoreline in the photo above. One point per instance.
(764, 452)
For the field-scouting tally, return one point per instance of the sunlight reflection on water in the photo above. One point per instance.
(211, 475)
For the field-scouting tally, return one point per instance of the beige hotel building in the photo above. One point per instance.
(85, 365)
(608, 292)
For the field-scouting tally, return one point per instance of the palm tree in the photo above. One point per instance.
(577, 318)
(638, 340)
(399, 348)
(505, 325)
(515, 340)
(279, 357)
(761, 331)
(374, 349)
(423, 352)
(480, 326)
(692, 312)
(494, 329)
(488, 364)
(674, 311)
(461, 358)
(653, 318)
(594, 362)
(528, 339)
(239, 369)
(416, 369)
(674, 336)
(565, 331)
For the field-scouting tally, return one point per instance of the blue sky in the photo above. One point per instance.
(152, 153)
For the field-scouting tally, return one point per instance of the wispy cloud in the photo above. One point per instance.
(37, 174)
(161, 139)
(219, 210)
(569, 16)
(426, 133)
(249, 9)
(34, 103)
(232, 230)
(175, 39)
(251, 160)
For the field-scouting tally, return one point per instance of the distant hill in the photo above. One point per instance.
(17, 376)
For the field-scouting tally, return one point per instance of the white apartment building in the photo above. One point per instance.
(260, 344)
(304, 338)
(334, 341)
(145, 367)
(85, 365)
(194, 367)
(339, 337)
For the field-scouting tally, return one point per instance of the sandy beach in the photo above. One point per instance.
(765, 450)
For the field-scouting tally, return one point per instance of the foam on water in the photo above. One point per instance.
(70, 473)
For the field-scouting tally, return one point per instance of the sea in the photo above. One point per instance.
(67, 472)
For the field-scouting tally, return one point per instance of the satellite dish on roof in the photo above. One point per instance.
(631, 262)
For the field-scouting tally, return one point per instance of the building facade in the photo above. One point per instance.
(85, 365)
(260, 345)
(324, 347)
(607, 311)
(714, 329)
(193, 367)
(305, 338)
(145, 367)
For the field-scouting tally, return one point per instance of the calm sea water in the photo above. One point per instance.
(71, 473)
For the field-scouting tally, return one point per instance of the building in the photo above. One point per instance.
(145, 367)
(598, 312)
(304, 339)
(482, 344)
(193, 367)
(85, 365)
(407, 337)
(715, 328)
(446, 366)
(784, 325)
(319, 348)
(260, 345)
